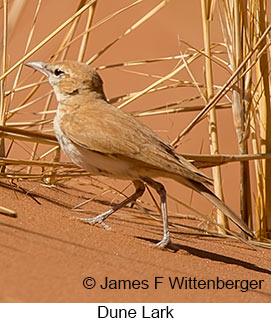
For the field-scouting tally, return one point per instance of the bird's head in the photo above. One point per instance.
(70, 78)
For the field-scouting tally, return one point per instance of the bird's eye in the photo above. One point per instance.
(58, 72)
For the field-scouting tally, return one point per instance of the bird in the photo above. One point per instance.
(108, 141)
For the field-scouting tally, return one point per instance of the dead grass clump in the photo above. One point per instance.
(242, 54)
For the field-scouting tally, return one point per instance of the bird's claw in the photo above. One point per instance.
(164, 244)
(93, 221)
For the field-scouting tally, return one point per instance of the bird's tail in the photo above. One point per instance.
(210, 196)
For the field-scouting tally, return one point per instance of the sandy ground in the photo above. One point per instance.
(46, 255)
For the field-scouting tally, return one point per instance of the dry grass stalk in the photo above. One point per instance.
(102, 21)
(28, 124)
(15, 12)
(24, 87)
(251, 98)
(152, 12)
(203, 161)
(8, 212)
(31, 134)
(176, 108)
(143, 61)
(86, 35)
(47, 39)
(237, 45)
(213, 137)
(226, 88)
(161, 80)
(241, 101)
(2, 82)
(30, 36)
(68, 37)
(22, 162)
(64, 47)
(263, 200)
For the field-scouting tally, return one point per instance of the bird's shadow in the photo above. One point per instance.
(173, 247)
(213, 256)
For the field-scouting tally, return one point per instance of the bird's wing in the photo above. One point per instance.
(99, 129)
(108, 130)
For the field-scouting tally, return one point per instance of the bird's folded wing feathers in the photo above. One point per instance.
(113, 132)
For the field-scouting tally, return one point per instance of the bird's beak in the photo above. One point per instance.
(38, 66)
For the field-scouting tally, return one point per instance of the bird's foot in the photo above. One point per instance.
(161, 244)
(99, 219)
(164, 244)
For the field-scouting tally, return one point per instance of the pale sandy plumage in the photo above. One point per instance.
(107, 141)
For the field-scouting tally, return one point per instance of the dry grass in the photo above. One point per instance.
(245, 33)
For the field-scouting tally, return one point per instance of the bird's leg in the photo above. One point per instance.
(140, 188)
(160, 189)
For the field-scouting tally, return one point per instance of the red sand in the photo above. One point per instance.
(45, 256)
